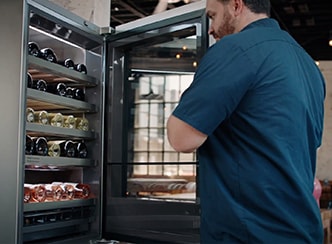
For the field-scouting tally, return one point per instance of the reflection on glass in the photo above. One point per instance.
(160, 72)
(141, 139)
(167, 186)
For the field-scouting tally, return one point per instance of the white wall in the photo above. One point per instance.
(97, 12)
(324, 163)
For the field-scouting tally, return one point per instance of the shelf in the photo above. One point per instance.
(47, 101)
(42, 69)
(41, 206)
(48, 130)
(54, 226)
(58, 161)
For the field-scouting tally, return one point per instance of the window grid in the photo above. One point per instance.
(150, 143)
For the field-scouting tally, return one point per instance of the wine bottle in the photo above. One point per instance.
(58, 191)
(27, 193)
(40, 85)
(82, 191)
(41, 147)
(68, 63)
(29, 145)
(69, 122)
(54, 149)
(56, 119)
(81, 68)
(69, 191)
(41, 117)
(48, 54)
(30, 117)
(67, 148)
(58, 89)
(70, 92)
(33, 49)
(29, 80)
(79, 94)
(82, 149)
(82, 124)
(38, 193)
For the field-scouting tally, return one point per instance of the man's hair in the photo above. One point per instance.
(256, 6)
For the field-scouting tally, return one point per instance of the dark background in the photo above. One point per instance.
(308, 21)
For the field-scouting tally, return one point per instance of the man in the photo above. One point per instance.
(255, 113)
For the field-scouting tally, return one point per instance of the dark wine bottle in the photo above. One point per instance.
(82, 149)
(79, 94)
(68, 149)
(48, 54)
(40, 85)
(81, 68)
(58, 89)
(68, 63)
(41, 147)
(29, 80)
(70, 92)
(33, 49)
(29, 145)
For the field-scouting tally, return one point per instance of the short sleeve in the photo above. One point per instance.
(222, 78)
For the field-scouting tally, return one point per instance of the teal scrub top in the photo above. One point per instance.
(260, 99)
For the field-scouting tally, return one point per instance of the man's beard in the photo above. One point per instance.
(227, 28)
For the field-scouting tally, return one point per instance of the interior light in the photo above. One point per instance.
(317, 63)
(330, 39)
(178, 55)
(184, 48)
(330, 42)
(195, 64)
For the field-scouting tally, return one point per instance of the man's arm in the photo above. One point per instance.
(182, 136)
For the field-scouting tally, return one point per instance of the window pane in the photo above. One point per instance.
(172, 87)
(141, 115)
(141, 139)
(186, 157)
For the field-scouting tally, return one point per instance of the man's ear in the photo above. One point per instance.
(238, 6)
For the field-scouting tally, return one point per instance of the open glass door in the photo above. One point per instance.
(151, 191)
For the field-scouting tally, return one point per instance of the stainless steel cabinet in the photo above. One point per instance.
(134, 80)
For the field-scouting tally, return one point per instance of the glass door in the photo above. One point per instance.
(151, 191)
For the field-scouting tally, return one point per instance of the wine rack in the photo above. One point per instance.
(43, 219)
(48, 101)
(37, 129)
(77, 162)
(42, 69)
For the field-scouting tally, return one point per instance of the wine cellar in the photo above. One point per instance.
(62, 158)
(94, 163)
